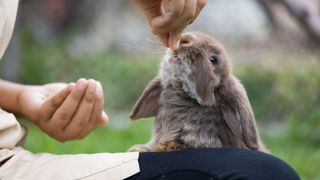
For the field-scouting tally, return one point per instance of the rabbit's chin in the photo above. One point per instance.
(165, 73)
(173, 71)
(167, 68)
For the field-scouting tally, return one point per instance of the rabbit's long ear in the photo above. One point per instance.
(204, 87)
(239, 113)
(148, 103)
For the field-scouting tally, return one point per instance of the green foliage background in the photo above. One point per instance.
(286, 102)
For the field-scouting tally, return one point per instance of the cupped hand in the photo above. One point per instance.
(65, 111)
(168, 18)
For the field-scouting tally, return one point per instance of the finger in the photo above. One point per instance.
(187, 16)
(54, 102)
(153, 10)
(95, 119)
(164, 38)
(174, 40)
(188, 13)
(200, 6)
(66, 111)
(168, 21)
(82, 116)
(104, 119)
(173, 7)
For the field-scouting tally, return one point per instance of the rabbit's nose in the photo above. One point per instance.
(186, 41)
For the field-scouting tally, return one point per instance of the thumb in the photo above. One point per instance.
(104, 119)
(164, 38)
(174, 40)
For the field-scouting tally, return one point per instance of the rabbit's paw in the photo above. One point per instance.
(139, 148)
(170, 146)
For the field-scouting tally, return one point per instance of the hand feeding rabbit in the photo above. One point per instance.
(197, 101)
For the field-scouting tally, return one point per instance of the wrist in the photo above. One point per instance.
(22, 104)
(19, 101)
(9, 96)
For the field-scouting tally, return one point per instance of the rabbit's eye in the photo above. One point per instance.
(213, 58)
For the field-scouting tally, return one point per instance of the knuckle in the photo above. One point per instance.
(82, 123)
(64, 116)
(173, 18)
(77, 95)
(89, 98)
(98, 98)
(174, 13)
(202, 3)
(159, 28)
(189, 16)
(59, 138)
(54, 103)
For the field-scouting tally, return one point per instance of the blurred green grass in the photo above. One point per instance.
(286, 102)
(103, 139)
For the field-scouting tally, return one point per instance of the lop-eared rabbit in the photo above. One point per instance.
(197, 101)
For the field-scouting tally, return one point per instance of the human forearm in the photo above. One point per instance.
(9, 96)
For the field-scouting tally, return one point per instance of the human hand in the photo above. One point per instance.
(168, 18)
(64, 111)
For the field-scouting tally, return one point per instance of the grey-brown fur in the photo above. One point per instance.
(197, 104)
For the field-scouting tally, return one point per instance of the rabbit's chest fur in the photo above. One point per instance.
(181, 119)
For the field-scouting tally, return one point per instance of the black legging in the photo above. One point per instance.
(212, 164)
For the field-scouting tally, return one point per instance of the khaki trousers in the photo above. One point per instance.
(18, 163)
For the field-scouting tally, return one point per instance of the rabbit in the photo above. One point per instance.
(197, 101)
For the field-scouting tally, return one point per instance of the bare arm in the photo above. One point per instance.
(63, 111)
(9, 96)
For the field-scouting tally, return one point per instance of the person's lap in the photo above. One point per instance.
(219, 163)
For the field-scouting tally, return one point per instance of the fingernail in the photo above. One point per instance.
(92, 86)
(70, 86)
(104, 118)
(174, 46)
(174, 43)
(81, 84)
(99, 86)
(177, 45)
